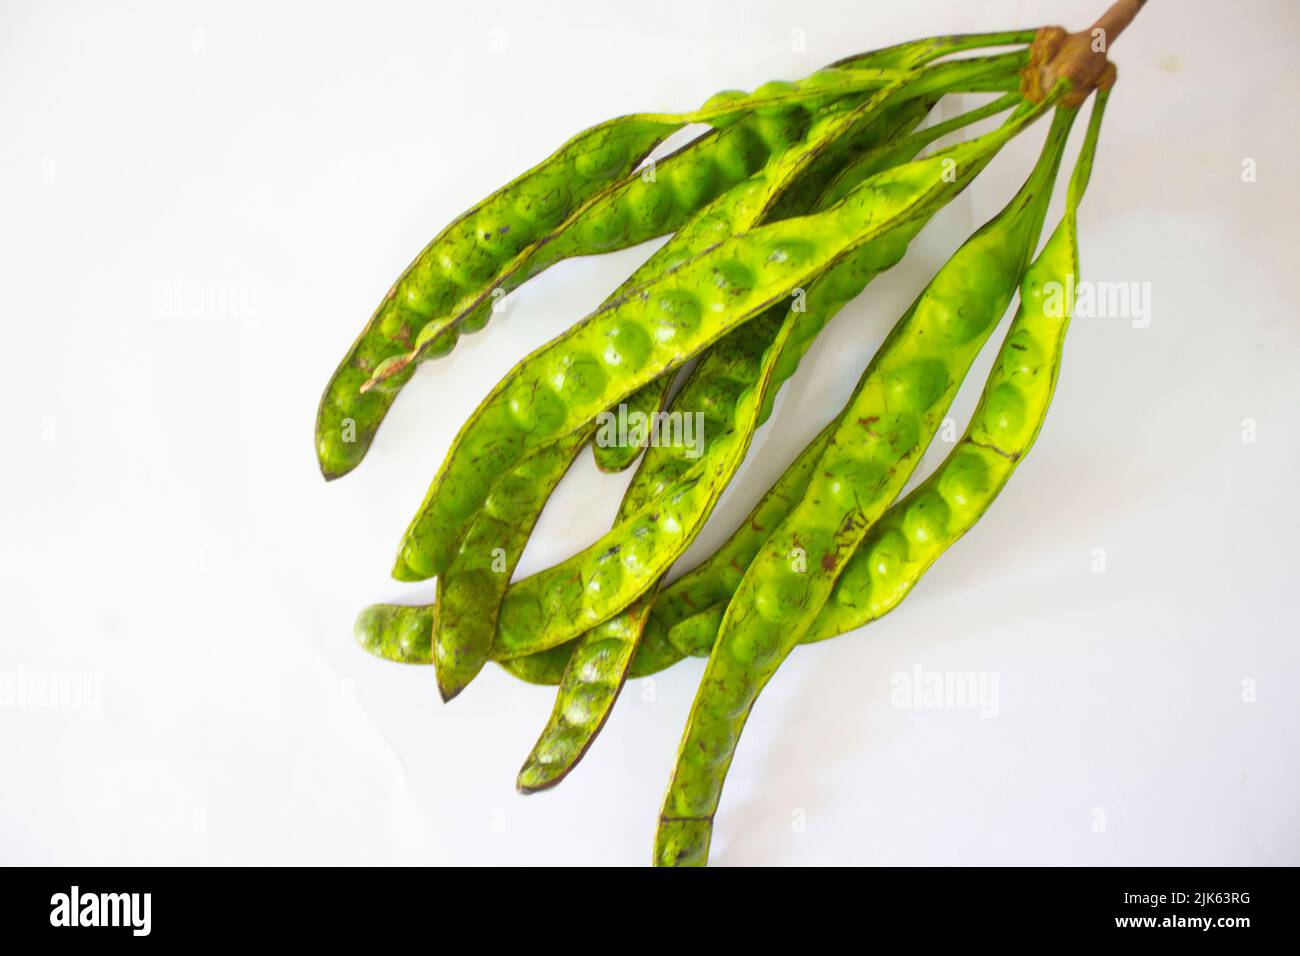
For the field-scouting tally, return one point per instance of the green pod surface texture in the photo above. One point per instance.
(471, 589)
(603, 657)
(588, 193)
(607, 356)
(794, 199)
(722, 400)
(715, 580)
(876, 443)
(1007, 420)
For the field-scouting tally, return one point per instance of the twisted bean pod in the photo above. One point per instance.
(793, 194)
(464, 638)
(876, 443)
(908, 539)
(642, 207)
(599, 665)
(614, 457)
(555, 605)
(607, 356)
(601, 657)
(916, 530)
(819, 308)
(690, 610)
(449, 287)
(464, 617)
(1002, 431)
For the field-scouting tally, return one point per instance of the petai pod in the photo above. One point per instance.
(706, 589)
(1003, 428)
(657, 199)
(803, 176)
(560, 603)
(602, 657)
(464, 616)
(585, 192)
(615, 456)
(793, 193)
(545, 669)
(562, 386)
(716, 414)
(606, 674)
(876, 443)
(690, 609)
(917, 529)
(711, 394)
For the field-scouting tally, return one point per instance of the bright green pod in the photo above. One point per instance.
(799, 197)
(690, 610)
(562, 602)
(583, 199)
(716, 415)
(1002, 431)
(710, 583)
(666, 322)
(735, 358)
(708, 588)
(471, 590)
(878, 439)
(603, 657)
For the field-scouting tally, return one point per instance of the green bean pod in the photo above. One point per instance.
(583, 199)
(912, 534)
(690, 609)
(604, 358)
(602, 657)
(828, 293)
(658, 199)
(614, 456)
(638, 208)
(826, 296)
(795, 195)
(916, 530)
(545, 669)
(878, 440)
(556, 605)
(464, 636)
(397, 633)
(914, 53)
(470, 591)
(1006, 423)
(886, 565)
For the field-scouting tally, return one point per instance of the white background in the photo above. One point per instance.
(167, 536)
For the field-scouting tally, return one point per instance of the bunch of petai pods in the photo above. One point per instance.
(795, 197)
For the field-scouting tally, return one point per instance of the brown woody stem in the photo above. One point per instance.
(1079, 57)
